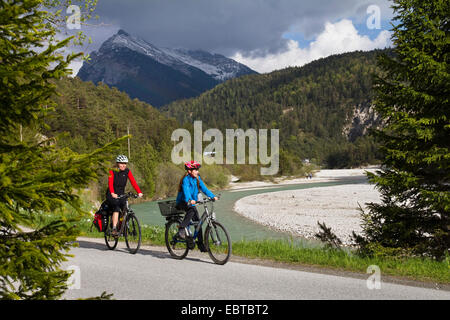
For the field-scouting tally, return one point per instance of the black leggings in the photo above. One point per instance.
(191, 213)
(115, 204)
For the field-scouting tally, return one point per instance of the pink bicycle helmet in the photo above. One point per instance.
(192, 165)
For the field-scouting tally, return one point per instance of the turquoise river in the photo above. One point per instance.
(239, 227)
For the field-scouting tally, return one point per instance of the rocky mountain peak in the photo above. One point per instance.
(157, 75)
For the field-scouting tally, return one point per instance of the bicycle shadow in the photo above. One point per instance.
(168, 256)
(142, 251)
(102, 247)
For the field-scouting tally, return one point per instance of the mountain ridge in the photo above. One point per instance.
(324, 109)
(154, 74)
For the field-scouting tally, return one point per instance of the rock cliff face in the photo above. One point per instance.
(157, 75)
(363, 118)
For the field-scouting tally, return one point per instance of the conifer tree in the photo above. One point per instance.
(36, 177)
(413, 99)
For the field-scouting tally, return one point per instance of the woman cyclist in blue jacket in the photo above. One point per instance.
(188, 189)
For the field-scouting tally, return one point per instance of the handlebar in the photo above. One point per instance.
(208, 200)
(128, 195)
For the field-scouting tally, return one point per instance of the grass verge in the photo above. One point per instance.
(419, 269)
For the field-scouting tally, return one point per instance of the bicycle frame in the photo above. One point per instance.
(207, 217)
(125, 212)
(125, 216)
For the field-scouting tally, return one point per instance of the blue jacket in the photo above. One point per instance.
(189, 189)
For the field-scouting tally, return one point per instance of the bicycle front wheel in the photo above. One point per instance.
(133, 236)
(178, 248)
(218, 243)
(111, 242)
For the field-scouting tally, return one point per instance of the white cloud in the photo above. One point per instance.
(337, 38)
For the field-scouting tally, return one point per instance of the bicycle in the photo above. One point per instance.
(128, 226)
(216, 238)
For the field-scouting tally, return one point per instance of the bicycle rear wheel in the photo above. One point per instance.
(218, 243)
(178, 248)
(111, 242)
(133, 236)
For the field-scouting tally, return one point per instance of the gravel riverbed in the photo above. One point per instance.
(298, 211)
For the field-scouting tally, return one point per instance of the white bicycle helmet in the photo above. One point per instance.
(122, 159)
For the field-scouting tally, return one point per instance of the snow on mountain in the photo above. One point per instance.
(218, 66)
(123, 39)
(157, 75)
(181, 55)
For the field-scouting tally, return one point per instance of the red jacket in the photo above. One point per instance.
(117, 181)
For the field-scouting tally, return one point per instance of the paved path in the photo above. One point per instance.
(153, 274)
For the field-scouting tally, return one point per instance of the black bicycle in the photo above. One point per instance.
(216, 238)
(128, 226)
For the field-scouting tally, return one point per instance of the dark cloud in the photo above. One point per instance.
(225, 26)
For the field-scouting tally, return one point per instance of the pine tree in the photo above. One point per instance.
(413, 99)
(36, 177)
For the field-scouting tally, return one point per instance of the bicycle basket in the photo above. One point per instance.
(167, 208)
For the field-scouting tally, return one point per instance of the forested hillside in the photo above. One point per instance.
(88, 116)
(323, 109)
(93, 115)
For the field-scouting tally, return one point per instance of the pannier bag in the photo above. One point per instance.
(101, 218)
(100, 222)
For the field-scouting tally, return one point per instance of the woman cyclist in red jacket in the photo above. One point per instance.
(117, 181)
